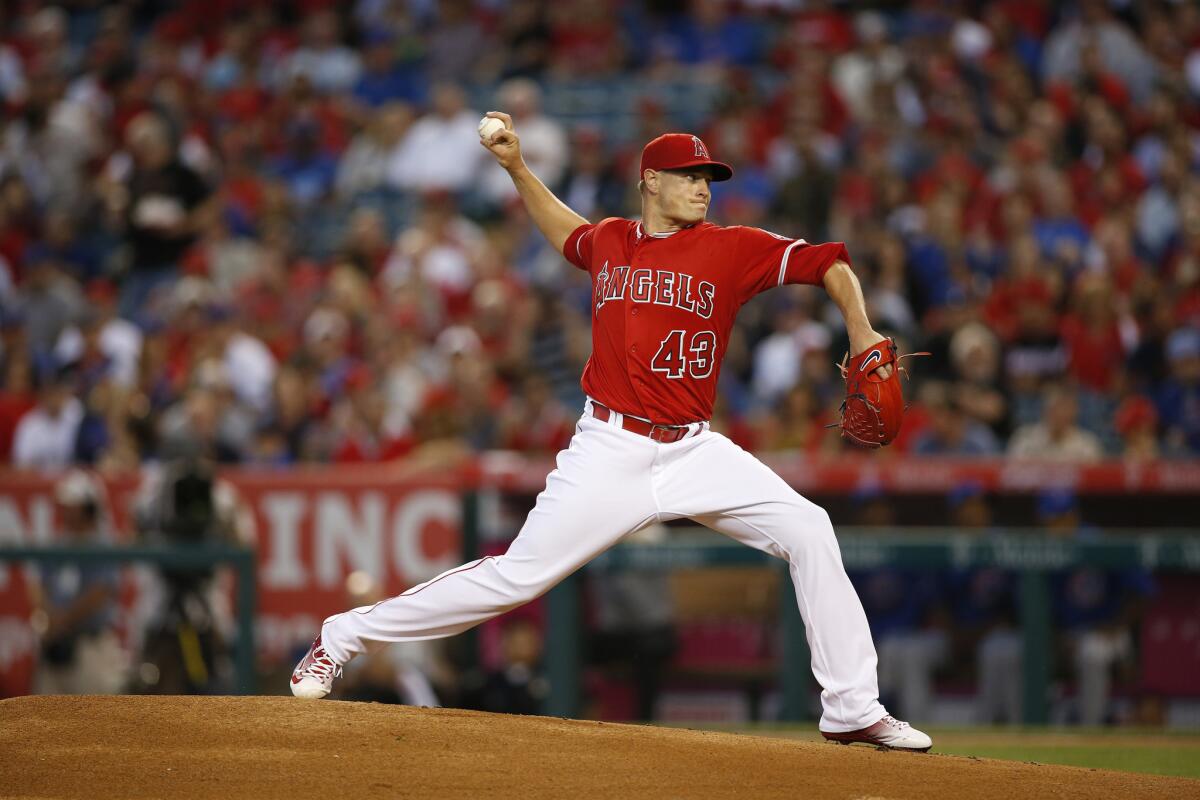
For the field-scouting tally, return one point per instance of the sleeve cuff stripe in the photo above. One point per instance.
(784, 261)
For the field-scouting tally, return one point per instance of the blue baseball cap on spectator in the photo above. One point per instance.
(11, 316)
(377, 36)
(37, 254)
(303, 130)
(149, 323)
(50, 371)
(867, 491)
(1056, 502)
(1183, 343)
(220, 312)
(964, 491)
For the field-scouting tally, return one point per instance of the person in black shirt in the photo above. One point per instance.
(516, 685)
(163, 206)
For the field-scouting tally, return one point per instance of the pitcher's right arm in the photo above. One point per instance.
(554, 218)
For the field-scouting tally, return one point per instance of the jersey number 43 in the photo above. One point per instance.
(697, 360)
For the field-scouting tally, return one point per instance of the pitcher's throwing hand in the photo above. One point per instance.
(503, 143)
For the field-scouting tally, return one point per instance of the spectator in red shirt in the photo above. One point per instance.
(1026, 284)
(535, 421)
(362, 424)
(16, 391)
(1092, 333)
(585, 39)
(1136, 422)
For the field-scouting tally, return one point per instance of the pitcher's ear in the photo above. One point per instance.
(649, 181)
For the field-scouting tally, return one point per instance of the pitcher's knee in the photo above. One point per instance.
(822, 524)
(804, 527)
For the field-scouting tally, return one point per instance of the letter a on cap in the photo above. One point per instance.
(700, 151)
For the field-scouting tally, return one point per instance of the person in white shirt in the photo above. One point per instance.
(875, 62)
(75, 606)
(249, 364)
(441, 150)
(779, 357)
(1057, 436)
(119, 339)
(331, 66)
(441, 248)
(543, 140)
(45, 436)
(364, 165)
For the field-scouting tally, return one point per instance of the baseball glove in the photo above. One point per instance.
(874, 406)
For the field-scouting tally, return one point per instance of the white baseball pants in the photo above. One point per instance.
(610, 482)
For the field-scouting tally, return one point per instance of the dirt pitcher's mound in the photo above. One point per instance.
(278, 747)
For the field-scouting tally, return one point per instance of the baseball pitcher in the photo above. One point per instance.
(665, 291)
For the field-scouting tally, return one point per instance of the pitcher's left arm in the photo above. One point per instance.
(844, 289)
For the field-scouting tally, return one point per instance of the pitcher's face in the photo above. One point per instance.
(683, 194)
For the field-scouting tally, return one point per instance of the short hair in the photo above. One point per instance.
(641, 184)
(1059, 391)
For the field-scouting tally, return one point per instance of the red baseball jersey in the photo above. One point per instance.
(663, 306)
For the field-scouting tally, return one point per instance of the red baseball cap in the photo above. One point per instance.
(1135, 412)
(681, 151)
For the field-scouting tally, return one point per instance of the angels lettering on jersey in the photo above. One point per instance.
(662, 287)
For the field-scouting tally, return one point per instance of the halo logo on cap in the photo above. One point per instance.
(700, 151)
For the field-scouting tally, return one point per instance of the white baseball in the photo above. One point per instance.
(489, 126)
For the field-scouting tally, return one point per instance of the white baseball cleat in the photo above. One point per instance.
(313, 676)
(889, 733)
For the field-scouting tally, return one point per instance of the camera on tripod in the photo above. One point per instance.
(185, 651)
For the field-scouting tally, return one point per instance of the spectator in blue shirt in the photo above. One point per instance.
(1178, 400)
(74, 605)
(710, 34)
(385, 78)
(985, 616)
(1060, 234)
(952, 432)
(1097, 609)
(306, 171)
(906, 611)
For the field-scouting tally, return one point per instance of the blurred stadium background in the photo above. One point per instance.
(276, 339)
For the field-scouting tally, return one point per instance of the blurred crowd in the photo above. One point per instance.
(266, 233)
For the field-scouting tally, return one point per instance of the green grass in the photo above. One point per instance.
(1152, 753)
(1130, 750)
